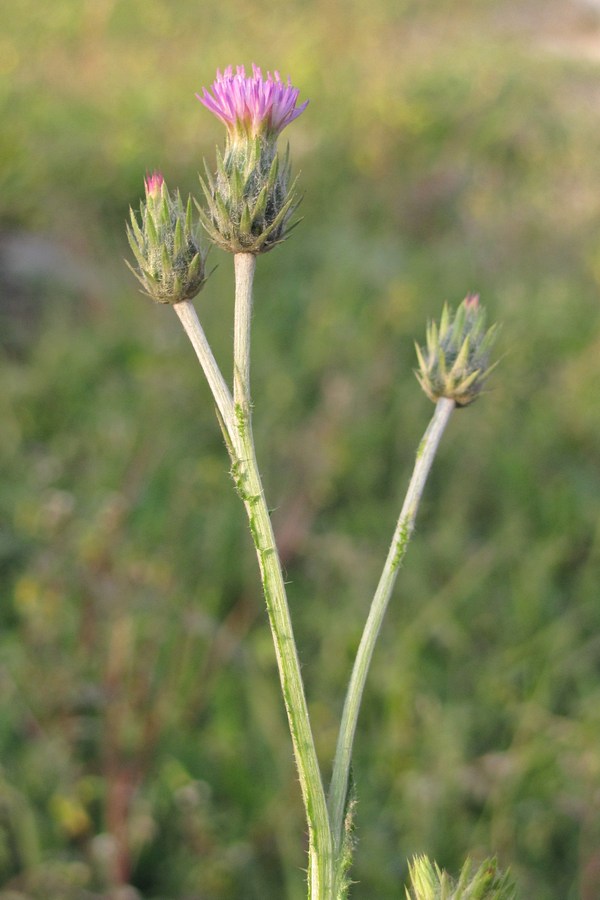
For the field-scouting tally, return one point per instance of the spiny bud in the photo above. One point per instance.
(249, 198)
(171, 263)
(455, 361)
(429, 882)
(249, 201)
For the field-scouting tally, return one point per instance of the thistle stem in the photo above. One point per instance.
(220, 391)
(251, 490)
(341, 768)
(245, 265)
(247, 477)
(235, 415)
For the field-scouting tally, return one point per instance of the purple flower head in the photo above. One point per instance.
(251, 106)
(154, 183)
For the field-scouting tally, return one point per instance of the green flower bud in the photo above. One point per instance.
(249, 200)
(429, 882)
(455, 361)
(170, 261)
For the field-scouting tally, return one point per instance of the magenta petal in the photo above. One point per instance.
(252, 104)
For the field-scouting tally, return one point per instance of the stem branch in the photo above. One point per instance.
(216, 382)
(404, 529)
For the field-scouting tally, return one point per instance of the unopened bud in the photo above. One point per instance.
(170, 260)
(153, 184)
(455, 363)
(429, 882)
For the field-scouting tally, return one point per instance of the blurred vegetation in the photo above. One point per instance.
(448, 147)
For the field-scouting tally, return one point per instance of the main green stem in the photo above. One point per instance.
(248, 482)
(406, 522)
(236, 421)
(245, 265)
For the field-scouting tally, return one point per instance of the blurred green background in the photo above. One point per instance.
(448, 147)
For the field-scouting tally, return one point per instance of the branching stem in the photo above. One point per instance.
(325, 820)
(236, 421)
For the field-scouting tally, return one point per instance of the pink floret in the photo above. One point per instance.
(251, 104)
(154, 183)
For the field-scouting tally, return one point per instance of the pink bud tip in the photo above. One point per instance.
(472, 301)
(154, 183)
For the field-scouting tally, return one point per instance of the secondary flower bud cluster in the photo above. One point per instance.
(171, 263)
(455, 361)
(249, 203)
(249, 198)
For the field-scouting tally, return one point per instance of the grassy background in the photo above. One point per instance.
(448, 147)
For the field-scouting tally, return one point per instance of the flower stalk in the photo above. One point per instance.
(245, 265)
(404, 528)
(220, 391)
(235, 418)
(249, 486)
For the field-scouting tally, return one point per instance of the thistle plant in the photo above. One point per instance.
(249, 202)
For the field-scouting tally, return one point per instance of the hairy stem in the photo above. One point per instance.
(404, 529)
(250, 488)
(248, 482)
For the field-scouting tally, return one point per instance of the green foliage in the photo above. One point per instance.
(142, 736)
